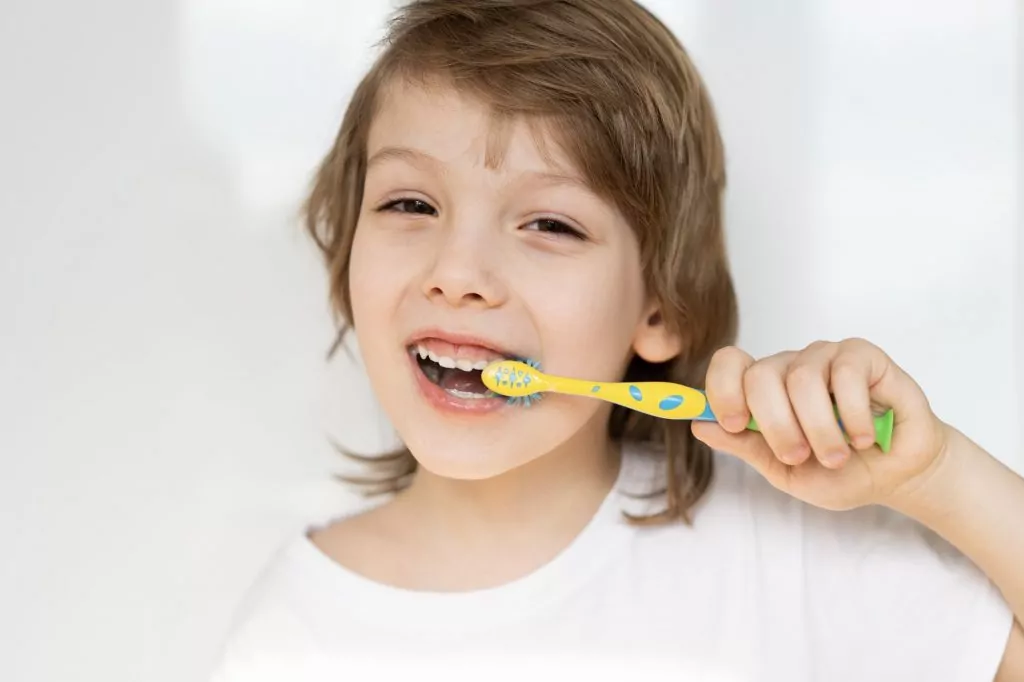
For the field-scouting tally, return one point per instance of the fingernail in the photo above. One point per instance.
(834, 459)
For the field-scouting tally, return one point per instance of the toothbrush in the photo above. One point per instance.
(523, 383)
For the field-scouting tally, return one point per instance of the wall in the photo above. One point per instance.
(166, 407)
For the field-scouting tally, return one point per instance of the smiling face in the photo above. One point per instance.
(456, 262)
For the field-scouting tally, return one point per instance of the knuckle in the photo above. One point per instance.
(858, 346)
(727, 355)
(844, 370)
(818, 345)
(756, 374)
(856, 342)
(800, 375)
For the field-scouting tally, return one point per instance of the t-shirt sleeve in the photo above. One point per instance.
(886, 598)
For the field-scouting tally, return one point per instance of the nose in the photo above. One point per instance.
(462, 272)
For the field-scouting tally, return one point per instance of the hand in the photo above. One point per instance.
(800, 448)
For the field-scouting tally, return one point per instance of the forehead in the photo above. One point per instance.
(455, 126)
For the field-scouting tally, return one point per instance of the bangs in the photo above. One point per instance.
(603, 141)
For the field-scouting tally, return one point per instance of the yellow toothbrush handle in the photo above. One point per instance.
(524, 382)
(674, 401)
(656, 398)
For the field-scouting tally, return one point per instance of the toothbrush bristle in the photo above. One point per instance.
(526, 400)
(519, 379)
(529, 361)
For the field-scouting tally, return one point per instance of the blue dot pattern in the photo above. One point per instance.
(517, 378)
(635, 392)
(671, 402)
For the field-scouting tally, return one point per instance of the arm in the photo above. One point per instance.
(933, 473)
(977, 504)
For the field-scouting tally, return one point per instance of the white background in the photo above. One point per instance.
(163, 398)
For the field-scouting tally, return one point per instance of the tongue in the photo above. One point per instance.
(457, 380)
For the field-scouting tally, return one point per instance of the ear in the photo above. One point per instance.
(654, 342)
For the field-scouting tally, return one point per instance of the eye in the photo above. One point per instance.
(415, 206)
(556, 227)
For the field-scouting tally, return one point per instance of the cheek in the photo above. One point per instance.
(376, 292)
(587, 314)
(364, 287)
(375, 289)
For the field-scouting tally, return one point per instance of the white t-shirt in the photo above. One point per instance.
(761, 587)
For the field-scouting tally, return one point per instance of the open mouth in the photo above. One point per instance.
(459, 377)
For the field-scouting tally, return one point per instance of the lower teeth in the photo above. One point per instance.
(469, 396)
(433, 372)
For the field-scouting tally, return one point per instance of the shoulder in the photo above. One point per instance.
(303, 596)
(269, 614)
(359, 542)
(307, 560)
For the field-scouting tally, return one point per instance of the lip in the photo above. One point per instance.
(461, 340)
(443, 401)
(437, 397)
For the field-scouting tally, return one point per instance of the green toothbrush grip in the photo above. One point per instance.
(883, 429)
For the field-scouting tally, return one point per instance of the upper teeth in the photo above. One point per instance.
(452, 363)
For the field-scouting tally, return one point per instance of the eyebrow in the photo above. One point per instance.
(422, 159)
(407, 154)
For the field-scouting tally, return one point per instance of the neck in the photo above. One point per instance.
(518, 520)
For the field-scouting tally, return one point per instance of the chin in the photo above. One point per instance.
(460, 471)
(470, 450)
(461, 461)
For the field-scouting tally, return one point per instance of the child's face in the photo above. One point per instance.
(472, 262)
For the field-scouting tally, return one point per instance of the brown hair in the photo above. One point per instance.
(630, 110)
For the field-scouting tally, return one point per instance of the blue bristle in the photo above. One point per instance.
(519, 379)
(528, 361)
(526, 400)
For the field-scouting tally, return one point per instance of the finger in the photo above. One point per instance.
(747, 446)
(769, 403)
(724, 388)
(890, 387)
(851, 380)
(807, 385)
